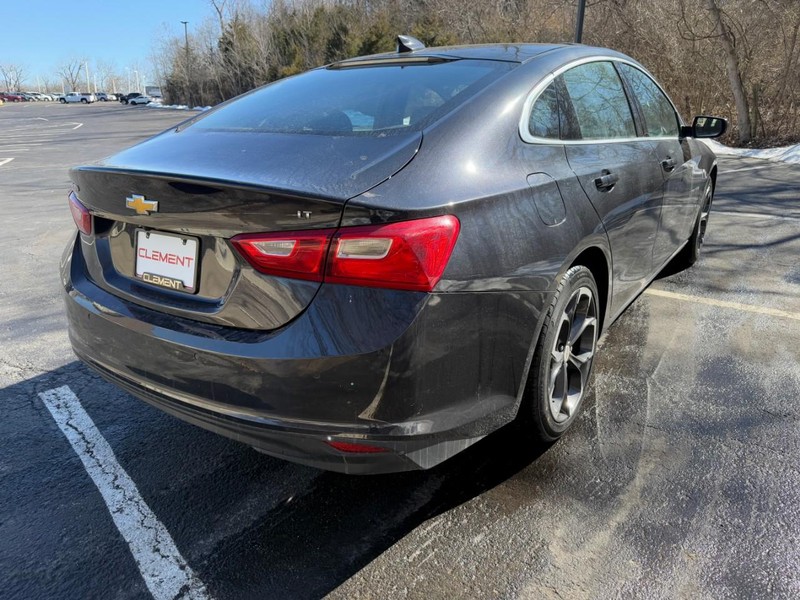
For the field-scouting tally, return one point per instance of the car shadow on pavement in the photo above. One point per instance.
(249, 525)
(310, 546)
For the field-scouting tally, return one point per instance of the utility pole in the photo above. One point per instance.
(88, 83)
(188, 65)
(579, 21)
(128, 71)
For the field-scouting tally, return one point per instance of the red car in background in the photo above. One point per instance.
(8, 97)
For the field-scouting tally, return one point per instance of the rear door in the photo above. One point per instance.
(617, 170)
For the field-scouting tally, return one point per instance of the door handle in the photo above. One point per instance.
(606, 181)
(668, 164)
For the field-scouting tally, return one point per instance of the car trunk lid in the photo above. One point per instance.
(210, 186)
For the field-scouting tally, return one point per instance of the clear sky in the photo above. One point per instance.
(40, 34)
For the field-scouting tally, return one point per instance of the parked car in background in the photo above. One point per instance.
(11, 97)
(340, 293)
(73, 97)
(126, 98)
(142, 99)
(106, 97)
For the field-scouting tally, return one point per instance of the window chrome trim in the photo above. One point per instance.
(533, 96)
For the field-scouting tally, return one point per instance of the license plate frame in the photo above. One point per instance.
(164, 260)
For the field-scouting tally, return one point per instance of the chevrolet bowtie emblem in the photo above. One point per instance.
(141, 205)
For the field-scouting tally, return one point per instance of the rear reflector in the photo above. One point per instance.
(80, 214)
(298, 254)
(356, 448)
(409, 255)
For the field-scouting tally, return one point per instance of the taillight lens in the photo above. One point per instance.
(80, 214)
(298, 254)
(409, 255)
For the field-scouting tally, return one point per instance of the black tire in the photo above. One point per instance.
(84, 101)
(567, 377)
(62, 100)
(691, 251)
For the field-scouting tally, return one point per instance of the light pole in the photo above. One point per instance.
(138, 85)
(579, 21)
(128, 71)
(188, 74)
(88, 83)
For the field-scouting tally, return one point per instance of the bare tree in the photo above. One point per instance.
(13, 76)
(70, 72)
(106, 74)
(728, 41)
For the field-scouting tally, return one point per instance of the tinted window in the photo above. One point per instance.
(659, 115)
(357, 100)
(544, 114)
(599, 102)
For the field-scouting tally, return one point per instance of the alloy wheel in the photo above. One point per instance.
(572, 354)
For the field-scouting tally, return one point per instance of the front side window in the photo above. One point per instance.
(659, 115)
(599, 102)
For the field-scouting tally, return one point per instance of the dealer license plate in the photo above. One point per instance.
(167, 260)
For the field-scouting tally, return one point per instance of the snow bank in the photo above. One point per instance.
(787, 154)
(176, 106)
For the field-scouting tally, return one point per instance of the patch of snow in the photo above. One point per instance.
(176, 106)
(787, 154)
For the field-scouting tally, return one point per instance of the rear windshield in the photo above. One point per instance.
(357, 100)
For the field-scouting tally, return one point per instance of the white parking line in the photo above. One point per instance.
(747, 169)
(164, 570)
(763, 310)
(5, 161)
(749, 215)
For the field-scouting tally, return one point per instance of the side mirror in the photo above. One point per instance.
(705, 126)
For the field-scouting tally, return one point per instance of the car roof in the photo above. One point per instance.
(516, 52)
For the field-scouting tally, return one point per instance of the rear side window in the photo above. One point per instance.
(367, 100)
(544, 119)
(599, 103)
(659, 114)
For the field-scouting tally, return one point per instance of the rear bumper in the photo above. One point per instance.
(422, 376)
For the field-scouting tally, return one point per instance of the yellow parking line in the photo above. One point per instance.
(763, 310)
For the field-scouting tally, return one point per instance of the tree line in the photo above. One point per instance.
(737, 58)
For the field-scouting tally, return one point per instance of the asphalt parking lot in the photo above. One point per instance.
(680, 479)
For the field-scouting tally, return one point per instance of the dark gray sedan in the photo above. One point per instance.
(373, 265)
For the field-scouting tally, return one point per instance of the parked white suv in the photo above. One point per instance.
(144, 100)
(77, 97)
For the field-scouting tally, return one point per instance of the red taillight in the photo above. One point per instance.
(298, 254)
(356, 448)
(80, 214)
(409, 255)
